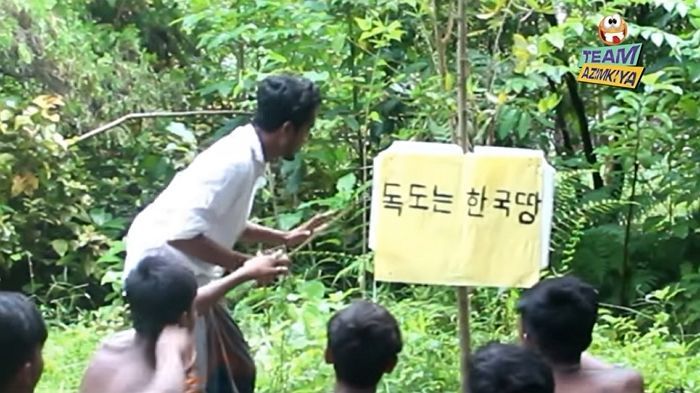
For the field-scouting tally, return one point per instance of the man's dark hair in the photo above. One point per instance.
(22, 333)
(559, 314)
(158, 293)
(363, 340)
(504, 368)
(283, 98)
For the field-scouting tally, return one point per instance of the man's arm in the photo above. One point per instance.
(260, 267)
(258, 233)
(208, 250)
(254, 233)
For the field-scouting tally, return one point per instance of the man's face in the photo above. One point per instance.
(293, 138)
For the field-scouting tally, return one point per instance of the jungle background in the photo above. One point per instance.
(627, 216)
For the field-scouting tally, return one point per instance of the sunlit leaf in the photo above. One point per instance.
(48, 101)
(60, 246)
(556, 39)
(24, 183)
(180, 130)
(346, 183)
(25, 55)
(364, 24)
(312, 289)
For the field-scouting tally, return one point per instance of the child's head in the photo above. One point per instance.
(502, 368)
(363, 344)
(557, 318)
(22, 337)
(160, 293)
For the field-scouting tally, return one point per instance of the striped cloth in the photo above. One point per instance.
(223, 355)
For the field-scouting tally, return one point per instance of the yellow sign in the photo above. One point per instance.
(610, 75)
(453, 219)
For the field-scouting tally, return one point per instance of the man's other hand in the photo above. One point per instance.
(303, 232)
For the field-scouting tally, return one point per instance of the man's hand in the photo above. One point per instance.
(304, 231)
(265, 268)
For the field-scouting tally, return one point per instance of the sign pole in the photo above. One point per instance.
(463, 140)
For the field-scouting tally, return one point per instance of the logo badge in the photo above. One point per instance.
(612, 30)
(613, 64)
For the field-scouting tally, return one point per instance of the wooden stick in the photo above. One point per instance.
(463, 292)
(132, 116)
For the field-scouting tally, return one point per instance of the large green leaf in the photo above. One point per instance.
(60, 246)
(508, 119)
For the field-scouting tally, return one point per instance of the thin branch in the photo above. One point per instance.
(440, 43)
(463, 74)
(146, 115)
(560, 121)
(450, 25)
(462, 104)
(627, 309)
(626, 268)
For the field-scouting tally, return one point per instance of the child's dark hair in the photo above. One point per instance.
(560, 314)
(22, 333)
(504, 368)
(282, 98)
(363, 340)
(158, 293)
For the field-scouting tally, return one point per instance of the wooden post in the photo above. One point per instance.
(463, 140)
(464, 335)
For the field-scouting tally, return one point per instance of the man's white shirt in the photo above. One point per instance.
(213, 196)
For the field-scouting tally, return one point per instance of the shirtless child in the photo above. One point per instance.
(557, 320)
(157, 355)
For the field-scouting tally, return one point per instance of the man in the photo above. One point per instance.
(204, 211)
(157, 356)
(364, 342)
(22, 337)
(557, 320)
(503, 368)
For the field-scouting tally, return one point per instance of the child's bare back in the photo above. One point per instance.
(119, 366)
(127, 364)
(595, 376)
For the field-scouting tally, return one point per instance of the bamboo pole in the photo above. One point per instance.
(147, 115)
(463, 140)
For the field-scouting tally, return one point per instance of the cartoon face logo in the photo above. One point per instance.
(612, 30)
